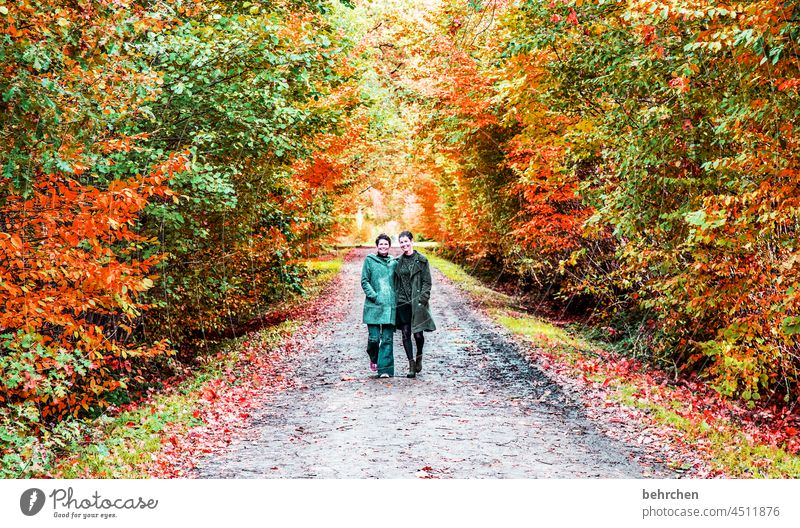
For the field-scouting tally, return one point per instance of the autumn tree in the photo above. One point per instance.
(164, 166)
(651, 155)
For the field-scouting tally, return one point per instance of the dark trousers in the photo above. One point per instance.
(419, 339)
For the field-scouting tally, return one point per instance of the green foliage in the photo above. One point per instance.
(240, 91)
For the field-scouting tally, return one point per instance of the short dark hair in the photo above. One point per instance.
(406, 234)
(383, 236)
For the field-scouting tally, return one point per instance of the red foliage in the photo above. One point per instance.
(596, 376)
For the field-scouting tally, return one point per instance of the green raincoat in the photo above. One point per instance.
(377, 281)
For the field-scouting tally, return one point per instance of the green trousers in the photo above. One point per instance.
(380, 347)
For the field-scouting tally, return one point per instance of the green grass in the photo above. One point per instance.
(536, 329)
(321, 271)
(733, 453)
(324, 267)
(124, 444)
(488, 297)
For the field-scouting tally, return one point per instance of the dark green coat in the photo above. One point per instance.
(377, 281)
(421, 319)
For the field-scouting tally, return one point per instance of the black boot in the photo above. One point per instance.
(412, 373)
(419, 340)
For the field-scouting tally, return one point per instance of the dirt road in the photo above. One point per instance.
(477, 410)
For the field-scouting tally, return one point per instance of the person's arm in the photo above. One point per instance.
(425, 292)
(366, 277)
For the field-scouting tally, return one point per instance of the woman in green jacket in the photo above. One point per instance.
(377, 281)
(413, 289)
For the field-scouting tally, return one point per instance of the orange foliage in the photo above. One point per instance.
(70, 275)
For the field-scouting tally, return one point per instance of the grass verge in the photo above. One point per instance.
(691, 417)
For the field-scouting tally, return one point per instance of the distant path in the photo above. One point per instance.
(477, 410)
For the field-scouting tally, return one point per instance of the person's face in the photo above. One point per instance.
(406, 245)
(383, 247)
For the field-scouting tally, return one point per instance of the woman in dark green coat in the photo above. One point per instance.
(377, 281)
(412, 285)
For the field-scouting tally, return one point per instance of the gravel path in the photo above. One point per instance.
(477, 410)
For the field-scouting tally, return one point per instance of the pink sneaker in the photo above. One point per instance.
(373, 367)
